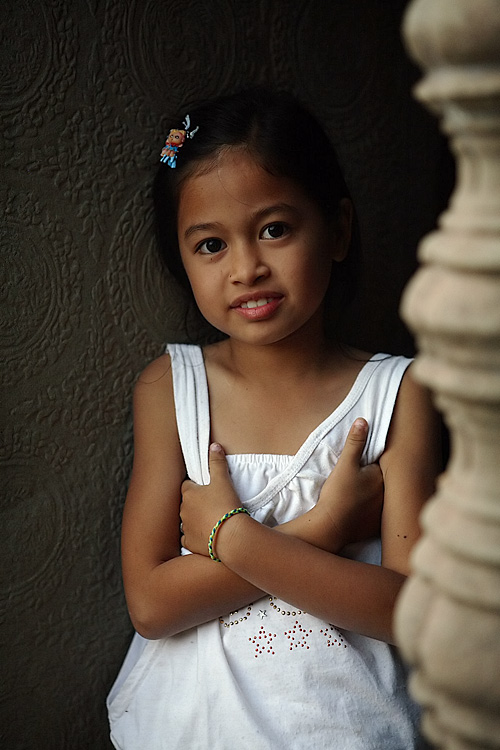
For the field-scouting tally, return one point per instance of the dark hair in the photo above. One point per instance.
(285, 139)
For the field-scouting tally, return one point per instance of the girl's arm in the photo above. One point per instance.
(167, 593)
(410, 464)
(350, 594)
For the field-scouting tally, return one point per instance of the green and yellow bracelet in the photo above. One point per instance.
(216, 528)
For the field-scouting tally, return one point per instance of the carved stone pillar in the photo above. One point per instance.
(448, 618)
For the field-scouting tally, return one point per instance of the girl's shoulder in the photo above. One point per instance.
(156, 370)
(155, 426)
(154, 387)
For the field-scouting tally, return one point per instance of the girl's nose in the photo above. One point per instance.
(247, 266)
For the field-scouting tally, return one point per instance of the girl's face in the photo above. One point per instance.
(257, 251)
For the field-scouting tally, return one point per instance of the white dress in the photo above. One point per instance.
(270, 676)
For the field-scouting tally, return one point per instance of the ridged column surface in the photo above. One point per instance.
(448, 618)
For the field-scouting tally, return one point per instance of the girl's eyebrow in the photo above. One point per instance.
(276, 208)
(199, 228)
(261, 213)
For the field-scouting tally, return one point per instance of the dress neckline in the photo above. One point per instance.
(343, 407)
(297, 460)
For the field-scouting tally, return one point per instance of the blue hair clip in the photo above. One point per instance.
(175, 141)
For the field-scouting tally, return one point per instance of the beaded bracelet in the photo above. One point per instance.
(216, 528)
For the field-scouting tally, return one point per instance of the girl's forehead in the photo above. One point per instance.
(236, 176)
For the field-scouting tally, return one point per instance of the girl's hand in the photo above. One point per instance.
(203, 505)
(351, 499)
(350, 502)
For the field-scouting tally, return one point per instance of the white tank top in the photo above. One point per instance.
(270, 676)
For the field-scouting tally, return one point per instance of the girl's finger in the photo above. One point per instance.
(355, 442)
(186, 484)
(217, 461)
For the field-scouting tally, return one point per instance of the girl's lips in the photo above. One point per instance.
(257, 308)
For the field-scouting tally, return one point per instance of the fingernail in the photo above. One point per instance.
(216, 448)
(359, 426)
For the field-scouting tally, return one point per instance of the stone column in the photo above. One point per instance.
(448, 618)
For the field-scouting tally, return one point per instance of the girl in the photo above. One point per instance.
(271, 627)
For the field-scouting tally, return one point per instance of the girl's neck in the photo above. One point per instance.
(293, 358)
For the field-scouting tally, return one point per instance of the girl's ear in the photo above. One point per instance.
(342, 230)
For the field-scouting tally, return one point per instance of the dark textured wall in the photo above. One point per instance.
(86, 89)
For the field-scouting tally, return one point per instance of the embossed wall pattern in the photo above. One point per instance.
(87, 90)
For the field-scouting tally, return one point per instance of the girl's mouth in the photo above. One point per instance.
(258, 309)
(255, 303)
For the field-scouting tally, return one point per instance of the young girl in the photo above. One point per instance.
(271, 627)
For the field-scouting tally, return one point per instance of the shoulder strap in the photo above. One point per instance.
(192, 409)
(377, 400)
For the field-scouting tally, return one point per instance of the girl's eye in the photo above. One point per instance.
(211, 246)
(274, 231)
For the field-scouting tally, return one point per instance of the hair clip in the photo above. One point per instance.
(175, 141)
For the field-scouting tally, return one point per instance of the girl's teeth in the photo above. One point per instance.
(254, 303)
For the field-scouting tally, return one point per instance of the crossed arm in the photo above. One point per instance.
(298, 562)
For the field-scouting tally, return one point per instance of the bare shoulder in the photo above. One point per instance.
(154, 384)
(157, 370)
(415, 427)
(413, 403)
(155, 426)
